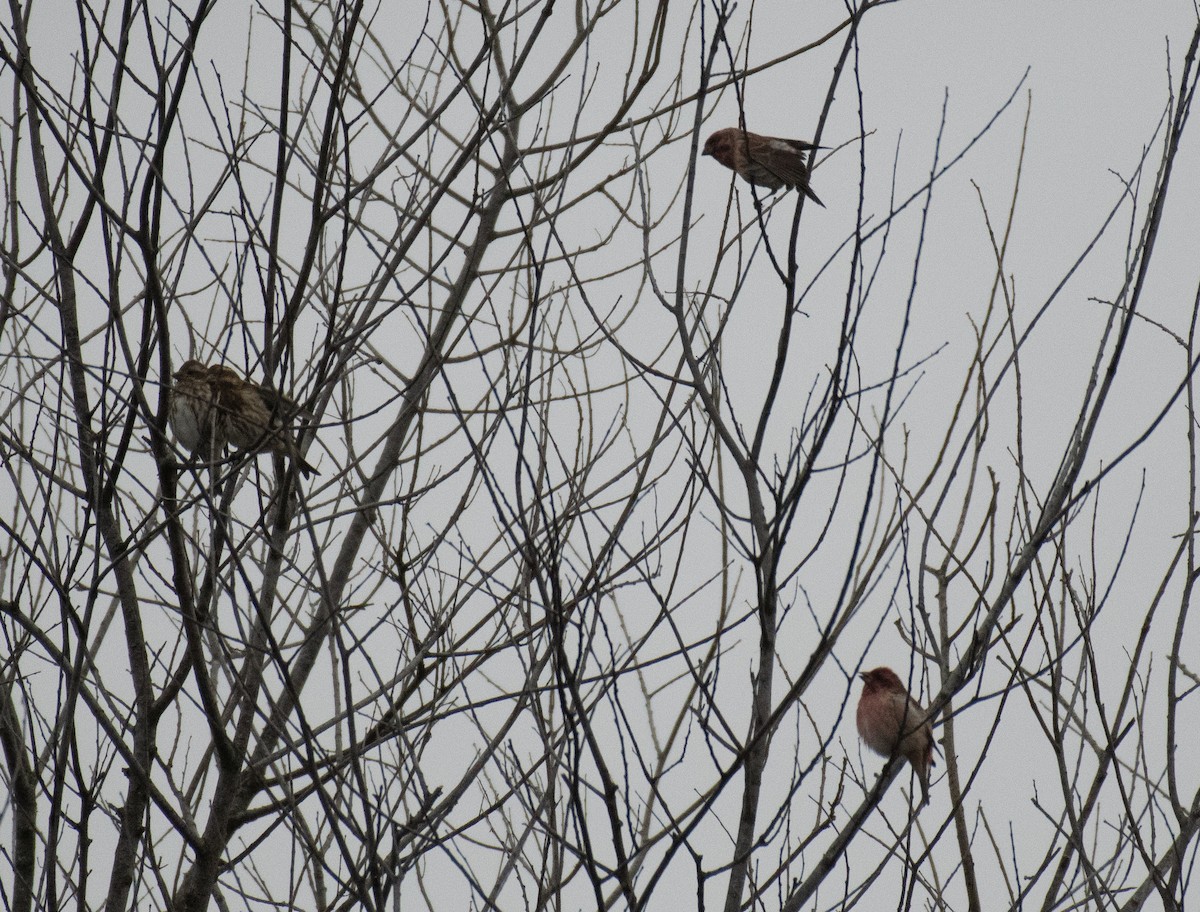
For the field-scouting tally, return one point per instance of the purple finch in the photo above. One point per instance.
(893, 724)
(765, 161)
(214, 406)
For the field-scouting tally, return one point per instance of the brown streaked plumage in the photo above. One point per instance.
(213, 406)
(765, 161)
(892, 723)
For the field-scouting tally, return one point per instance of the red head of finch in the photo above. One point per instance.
(892, 723)
(214, 406)
(765, 161)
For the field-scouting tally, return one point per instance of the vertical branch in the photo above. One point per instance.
(23, 793)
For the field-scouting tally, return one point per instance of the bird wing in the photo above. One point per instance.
(783, 161)
(785, 158)
(284, 410)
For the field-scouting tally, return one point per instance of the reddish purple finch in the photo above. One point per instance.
(893, 724)
(765, 161)
(214, 406)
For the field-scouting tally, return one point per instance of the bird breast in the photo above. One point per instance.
(880, 718)
(191, 415)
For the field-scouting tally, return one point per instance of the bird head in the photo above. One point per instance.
(189, 368)
(718, 142)
(881, 678)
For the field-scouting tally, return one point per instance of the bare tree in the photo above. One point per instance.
(620, 484)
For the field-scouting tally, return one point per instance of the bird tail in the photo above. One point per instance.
(285, 446)
(302, 464)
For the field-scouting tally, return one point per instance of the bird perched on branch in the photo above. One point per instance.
(765, 161)
(213, 406)
(893, 724)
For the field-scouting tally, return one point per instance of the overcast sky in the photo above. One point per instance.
(1094, 79)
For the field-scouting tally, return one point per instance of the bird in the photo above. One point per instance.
(765, 161)
(213, 406)
(893, 724)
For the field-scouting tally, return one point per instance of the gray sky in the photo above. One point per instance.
(1094, 80)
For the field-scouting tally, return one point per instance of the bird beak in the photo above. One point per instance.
(862, 676)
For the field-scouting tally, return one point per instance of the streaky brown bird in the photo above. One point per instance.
(893, 724)
(765, 161)
(213, 406)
